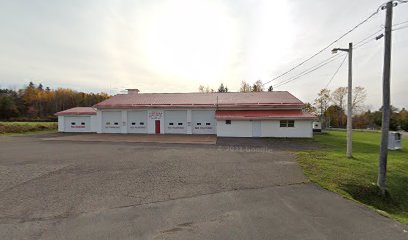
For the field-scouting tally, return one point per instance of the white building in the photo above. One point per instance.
(255, 114)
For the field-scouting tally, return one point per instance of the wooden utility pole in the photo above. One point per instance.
(382, 161)
(349, 103)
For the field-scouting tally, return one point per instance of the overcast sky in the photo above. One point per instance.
(174, 46)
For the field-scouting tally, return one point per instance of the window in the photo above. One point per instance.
(171, 124)
(291, 123)
(180, 124)
(227, 121)
(108, 123)
(82, 123)
(141, 123)
(133, 123)
(198, 124)
(116, 123)
(72, 123)
(287, 123)
(208, 124)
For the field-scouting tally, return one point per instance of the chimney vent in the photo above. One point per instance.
(132, 91)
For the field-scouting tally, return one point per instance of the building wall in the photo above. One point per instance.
(302, 129)
(61, 123)
(269, 128)
(235, 129)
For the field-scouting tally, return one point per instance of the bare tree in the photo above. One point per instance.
(338, 97)
(201, 88)
(359, 97)
(322, 103)
(245, 87)
(258, 86)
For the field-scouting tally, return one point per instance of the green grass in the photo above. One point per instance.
(355, 178)
(12, 128)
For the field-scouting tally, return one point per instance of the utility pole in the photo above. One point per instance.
(382, 161)
(349, 50)
(349, 103)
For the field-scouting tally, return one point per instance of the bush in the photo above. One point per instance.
(26, 127)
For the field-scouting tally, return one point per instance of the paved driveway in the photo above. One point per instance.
(69, 190)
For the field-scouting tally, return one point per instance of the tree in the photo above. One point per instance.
(359, 97)
(322, 103)
(258, 86)
(309, 108)
(270, 88)
(8, 108)
(201, 88)
(222, 88)
(338, 97)
(335, 116)
(403, 119)
(245, 87)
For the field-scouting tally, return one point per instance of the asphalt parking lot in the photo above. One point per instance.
(106, 190)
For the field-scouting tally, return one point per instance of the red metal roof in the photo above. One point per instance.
(144, 100)
(78, 111)
(264, 114)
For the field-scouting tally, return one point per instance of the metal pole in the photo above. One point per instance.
(349, 103)
(382, 161)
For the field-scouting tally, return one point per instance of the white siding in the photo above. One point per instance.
(61, 123)
(93, 123)
(269, 128)
(235, 129)
(302, 129)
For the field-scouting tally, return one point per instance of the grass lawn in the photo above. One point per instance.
(355, 178)
(11, 128)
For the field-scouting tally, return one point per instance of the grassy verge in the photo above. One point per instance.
(10, 128)
(355, 178)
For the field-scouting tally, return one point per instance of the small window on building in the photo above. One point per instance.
(208, 124)
(133, 123)
(291, 123)
(171, 124)
(198, 124)
(141, 123)
(116, 123)
(108, 123)
(82, 123)
(72, 123)
(283, 123)
(180, 124)
(227, 121)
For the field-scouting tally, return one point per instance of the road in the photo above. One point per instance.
(105, 190)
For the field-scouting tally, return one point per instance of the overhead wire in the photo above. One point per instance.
(335, 73)
(326, 47)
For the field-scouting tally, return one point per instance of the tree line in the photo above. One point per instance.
(258, 86)
(331, 107)
(36, 102)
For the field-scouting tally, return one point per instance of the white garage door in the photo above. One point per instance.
(175, 122)
(77, 124)
(137, 122)
(111, 122)
(204, 122)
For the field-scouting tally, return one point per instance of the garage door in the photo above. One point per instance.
(204, 122)
(111, 122)
(137, 122)
(175, 122)
(77, 124)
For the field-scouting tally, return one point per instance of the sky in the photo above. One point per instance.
(177, 45)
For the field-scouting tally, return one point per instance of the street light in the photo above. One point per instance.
(349, 50)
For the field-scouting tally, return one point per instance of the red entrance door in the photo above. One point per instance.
(157, 126)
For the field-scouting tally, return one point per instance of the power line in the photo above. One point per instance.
(337, 70)
(309, 70)
(326, 47)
